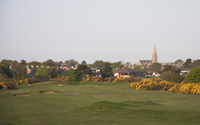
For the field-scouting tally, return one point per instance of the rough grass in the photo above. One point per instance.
(33, 93)
(115, 106)
(96, 103)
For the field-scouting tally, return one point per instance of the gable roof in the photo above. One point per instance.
(144, 62)
(127, 70)
(186, 69)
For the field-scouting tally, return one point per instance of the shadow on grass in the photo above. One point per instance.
(141, 110)
(113, 106)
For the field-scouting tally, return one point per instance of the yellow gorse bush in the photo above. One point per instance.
(152, 84)
(127, 79)
(190, 88)
(10, 84)
(171, 87)
(3, 86)
(92, 79)
(61, 79)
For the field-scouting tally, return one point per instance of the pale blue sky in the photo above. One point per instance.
(109, 30)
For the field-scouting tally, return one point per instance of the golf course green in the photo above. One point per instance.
(49, 103)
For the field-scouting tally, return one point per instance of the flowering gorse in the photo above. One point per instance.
(12, 83)
(127, 79)
(61, 79)
(171, 87)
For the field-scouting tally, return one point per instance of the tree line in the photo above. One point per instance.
(12, 69)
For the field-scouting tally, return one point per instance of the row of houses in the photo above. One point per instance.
(64, 67)
(126, 72)
(31, 70)
(120, 73)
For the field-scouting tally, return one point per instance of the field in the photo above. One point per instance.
(95, 104)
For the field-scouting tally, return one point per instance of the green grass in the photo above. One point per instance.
(96, 103)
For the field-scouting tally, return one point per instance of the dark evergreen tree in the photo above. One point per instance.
(82, 71)
(106, 71)
(187, 63)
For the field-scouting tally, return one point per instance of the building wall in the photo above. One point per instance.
(119, 75)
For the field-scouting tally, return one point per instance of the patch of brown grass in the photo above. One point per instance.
(22, 95)
(60, 85)
(49, 92)
(34, 93)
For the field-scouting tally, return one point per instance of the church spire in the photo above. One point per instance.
(154, 56)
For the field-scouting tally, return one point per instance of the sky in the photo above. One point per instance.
(108, 30)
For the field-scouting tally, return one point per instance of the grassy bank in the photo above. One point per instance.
(95, 103)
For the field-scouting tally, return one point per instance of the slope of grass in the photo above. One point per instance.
(96, 103)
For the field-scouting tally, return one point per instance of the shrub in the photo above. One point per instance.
(127, 79)
(171, 87)
(72, 76)
(193, 76)
(42, 73)
(93, 79)
(3, 86)
(152, 84)
(12, 83)
(109, 79)
(172, 76)
(174, 89)
(61, 79)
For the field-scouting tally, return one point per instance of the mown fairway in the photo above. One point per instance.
(96, 103)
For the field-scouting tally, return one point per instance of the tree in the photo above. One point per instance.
(193, 76)
(195, 64)
(34, 63)
(19, 70)
(56, 72)
(156, 67)
(83, 62)
(106, 71)
(138, 68)
(71, 62)
(179, 61)
(82, 71)
(60, 63)
(53, 72)
(116, 65)
(9, 62)
(170, 68)
(5, 72)
(42, 73)
(98, 64)
(72, 75)
(23, 62)
(187, 63)
(49, 62)
(128, 65)
(172, 76)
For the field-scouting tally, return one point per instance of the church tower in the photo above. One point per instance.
(154, 56)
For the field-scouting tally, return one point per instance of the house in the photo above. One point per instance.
(123, 73)
(96, 71)
(155, 74)
(185, 71)
(31, 75)
(146, 63)
(66, 67)
(31, 70)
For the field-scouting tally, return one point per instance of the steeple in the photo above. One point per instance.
(154, 56)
